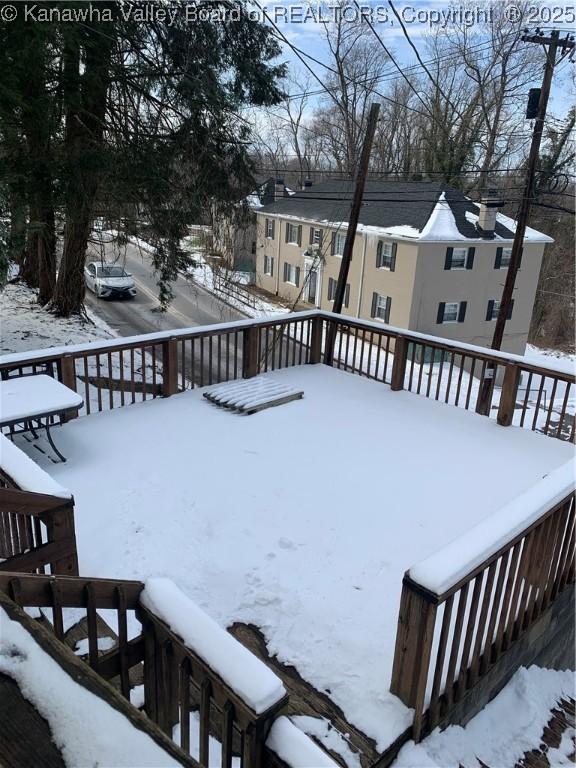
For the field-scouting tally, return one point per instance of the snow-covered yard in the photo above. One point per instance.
(300, 519)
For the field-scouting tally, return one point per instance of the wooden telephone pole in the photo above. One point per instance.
(551, 44)
(352, 226)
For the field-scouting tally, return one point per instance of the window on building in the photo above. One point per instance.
(338, 241)
(294, 234)
(332, 291)
(386, 256)
(269, 265)
(459, 258)
(270, 229)
(315, 236)
(381, 306)
(451, 312)
(291, 274)
(494, 309)
(503, 256)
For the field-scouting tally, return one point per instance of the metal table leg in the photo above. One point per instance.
(49, 436)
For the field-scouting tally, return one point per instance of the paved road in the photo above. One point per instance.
(191, 306)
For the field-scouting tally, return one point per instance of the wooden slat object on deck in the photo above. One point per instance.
(251, 396)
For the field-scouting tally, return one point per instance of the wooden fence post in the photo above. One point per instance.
(399, 364)
(508, 395)
(68, 378)
(60, 527)
(169, 367)
(250, 352)
(316, 340)
(414, 635)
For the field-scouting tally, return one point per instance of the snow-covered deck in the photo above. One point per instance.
(300, 519)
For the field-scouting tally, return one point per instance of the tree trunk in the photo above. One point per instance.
(85, 98)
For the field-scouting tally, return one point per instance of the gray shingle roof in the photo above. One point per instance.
(386, 204)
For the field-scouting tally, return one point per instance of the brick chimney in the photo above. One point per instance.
(490, 203)
(279, 190)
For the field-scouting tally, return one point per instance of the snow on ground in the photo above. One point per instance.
(510, 725)
(300, 519)
(87, 730)
(27, 326)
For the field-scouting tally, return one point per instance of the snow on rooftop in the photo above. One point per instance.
(300, 519)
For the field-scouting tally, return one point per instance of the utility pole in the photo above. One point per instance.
(551, 44)
(352, 226)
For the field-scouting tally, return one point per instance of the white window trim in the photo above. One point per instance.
(507, 264)
(385, 299)
(266, 222)
(495, 310)
(384, 256)
(270, 260)
(463, 267)
(337, 236)
(290, 268)
(453, 303)
(289, 225)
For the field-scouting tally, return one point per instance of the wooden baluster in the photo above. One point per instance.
(440, 657)
(462, 683)
(455, 649)
(486, 598)
(227, 734)
(317, 325)
(92, 625)
(490, 636)
(123, 641)
(57, 620)
(205, 697)
(185, 673)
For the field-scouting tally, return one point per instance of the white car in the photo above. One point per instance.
(109, 281)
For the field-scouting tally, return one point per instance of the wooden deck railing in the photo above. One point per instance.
(36, 531)
(125, 371)
(177, 682)
(447, 642)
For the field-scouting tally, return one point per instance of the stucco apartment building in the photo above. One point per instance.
(425, 258)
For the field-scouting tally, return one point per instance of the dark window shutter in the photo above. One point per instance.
(286, 230)
(299, 234)
(285, 271)
(388, 307)
(273, 228)
(321, 238)
(347, 295)
(470, 258)
(440, 315)
(374, 302)
(462, 311)
(297, 276)
(448, 259)
(333, 244)
(510, 308)
(520, 258)
(498, 262)
(272, 266)
(393, 257)
(490, 310)
(311, 236)
(379, 254)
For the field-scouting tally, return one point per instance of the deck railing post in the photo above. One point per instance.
(169, 367)
(316, 340)
(508, 395)
(68, 378)
(414, 637)
(250, 362)
(60, 527)
(399, 364)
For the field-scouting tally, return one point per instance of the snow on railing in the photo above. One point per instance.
(468, 603)
(295, 747)
(254, 682)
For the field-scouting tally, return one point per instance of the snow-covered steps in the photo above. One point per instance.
(251, 395)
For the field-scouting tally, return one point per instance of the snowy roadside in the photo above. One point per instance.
(25, 325)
